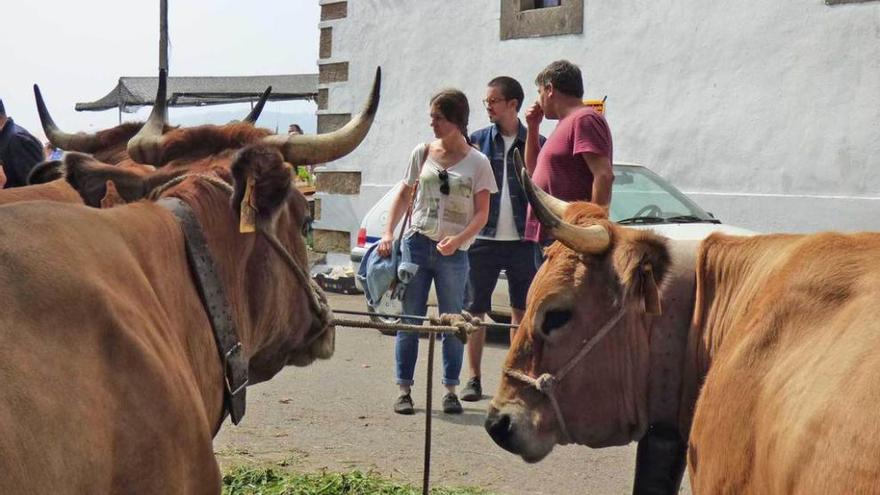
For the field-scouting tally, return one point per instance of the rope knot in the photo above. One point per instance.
(464, 322)
(545, 383)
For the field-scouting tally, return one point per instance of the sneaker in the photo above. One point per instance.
(404, 405)
(473, 391)
(451, 405)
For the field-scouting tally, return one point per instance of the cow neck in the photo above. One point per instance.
(668, 334)
(216, 304)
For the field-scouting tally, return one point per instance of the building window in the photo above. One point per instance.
(534, 18)
(538, 4)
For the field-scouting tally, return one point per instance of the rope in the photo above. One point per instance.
(461, 325)
(547, 381)
(486, 324)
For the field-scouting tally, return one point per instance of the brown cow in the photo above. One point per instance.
(769, 364)
(112, 377)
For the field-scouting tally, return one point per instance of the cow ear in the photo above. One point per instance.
(46, 172)
(111, 196)
(90, 177)
(262, 185)
(641, 259)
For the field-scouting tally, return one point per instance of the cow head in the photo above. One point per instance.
(596, 275)
(209, 168)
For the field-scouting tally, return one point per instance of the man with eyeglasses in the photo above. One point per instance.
(500, 245)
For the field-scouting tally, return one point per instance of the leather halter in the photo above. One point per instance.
(202, 266)
(547, 381)
(235, 365)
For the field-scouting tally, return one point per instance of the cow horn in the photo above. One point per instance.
(258, 108)
(82, 142)
(591, 240)
(322, 148)
(555, 205)
(146, 146)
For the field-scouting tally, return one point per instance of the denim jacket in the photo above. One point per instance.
(378, 273)
(491, 144)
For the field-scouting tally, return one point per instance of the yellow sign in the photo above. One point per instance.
(597, 105)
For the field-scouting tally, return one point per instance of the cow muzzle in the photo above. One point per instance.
(514, 430)
(321, 346)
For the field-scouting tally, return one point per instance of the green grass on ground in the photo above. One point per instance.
(249, 480)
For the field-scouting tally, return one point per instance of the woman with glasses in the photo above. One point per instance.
(453, 182)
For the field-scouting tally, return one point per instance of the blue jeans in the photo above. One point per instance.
(449, 274)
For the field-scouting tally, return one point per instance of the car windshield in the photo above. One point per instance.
(643, 197)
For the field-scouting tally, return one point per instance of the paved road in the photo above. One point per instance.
(337, 414)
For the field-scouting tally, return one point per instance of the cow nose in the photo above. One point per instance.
(498, 427)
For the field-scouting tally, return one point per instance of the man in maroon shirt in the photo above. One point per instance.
(575, 162)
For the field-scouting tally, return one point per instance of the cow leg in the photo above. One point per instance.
(660, 461)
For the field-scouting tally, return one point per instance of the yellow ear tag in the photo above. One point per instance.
(248, 218)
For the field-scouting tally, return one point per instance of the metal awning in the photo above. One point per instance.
(133, 92)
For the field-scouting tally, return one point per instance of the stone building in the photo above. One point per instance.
(766, 112)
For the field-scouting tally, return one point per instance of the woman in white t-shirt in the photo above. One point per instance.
(451, 207)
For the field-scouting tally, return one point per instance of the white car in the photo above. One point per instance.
(640, 199)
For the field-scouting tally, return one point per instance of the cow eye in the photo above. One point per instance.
(307, 226)
(554, 319)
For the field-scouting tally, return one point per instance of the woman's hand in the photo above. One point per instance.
(385, 245)
(448, 245)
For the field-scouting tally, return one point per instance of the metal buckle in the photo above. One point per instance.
(234, 352)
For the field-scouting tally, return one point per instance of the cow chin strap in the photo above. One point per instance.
(235, 365)
(201, 263)
(318, 303)
(548, 381)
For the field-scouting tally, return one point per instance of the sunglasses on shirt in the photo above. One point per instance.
(444, 182)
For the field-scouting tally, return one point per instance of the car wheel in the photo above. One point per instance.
(383, 319)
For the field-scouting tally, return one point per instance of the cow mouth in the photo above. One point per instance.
(513, 430)
(322, 347)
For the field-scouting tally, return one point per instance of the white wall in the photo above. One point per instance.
(767, 112)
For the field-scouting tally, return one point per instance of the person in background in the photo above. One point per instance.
(451, 206)
(52, 153)
(574, 164)
(501, 244)
(294, 129)
(19, 150)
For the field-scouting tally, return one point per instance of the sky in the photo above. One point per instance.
(77, 50)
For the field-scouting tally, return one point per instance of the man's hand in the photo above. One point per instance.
(385, 245)
(2, 177)
(448, 245)
(534, 115)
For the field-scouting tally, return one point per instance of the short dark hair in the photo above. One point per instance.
(2, 109)
(510, 89)
(453, 105)
(564, 76)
